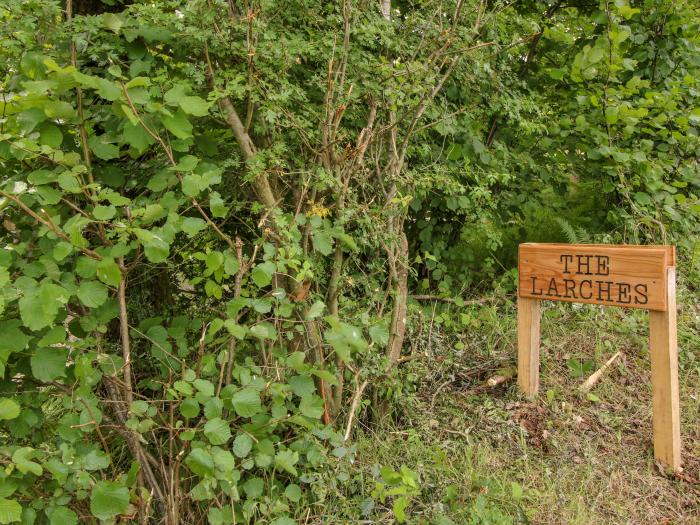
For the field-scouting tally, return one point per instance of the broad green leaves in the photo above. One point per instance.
(9, 409)
(40, 305)
(217, 431)
(108, 499)
(10, 511)
(92, 293)
(49, 363)
(246, 402)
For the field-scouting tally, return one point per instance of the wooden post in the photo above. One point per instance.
(528, 345)
(663, 347)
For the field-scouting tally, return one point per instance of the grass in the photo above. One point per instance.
(487, 455)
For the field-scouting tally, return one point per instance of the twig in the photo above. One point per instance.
(353, 407)
(595, 376)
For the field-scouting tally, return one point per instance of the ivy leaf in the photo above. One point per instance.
(242, 445)
(49, 363)
(246, 402)
(217, 431)
(9, 409)
(108, 499)
(92, 293)
(10, 511)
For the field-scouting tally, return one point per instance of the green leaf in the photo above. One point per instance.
(39, 307)
(311, 406)
(189, 408)
(262, 273)
(59, 109)
(178, 125)
(154, 246)
(10, 511)
(302, 385)
(217, 431)
(231, 264)
(242, 445)
(286, 459)
(200, 462)
(283, 520)
(104, 213)
(112, 21)
(293, 492)
(399, 508)
(194, 106)
(22, 457)
(63, 516)
(246, 402)
(50, 135)
(49, 363)
(92, 293)
(323, 242)
(108, 499)
(296, 362)
(315, 310)
(108, 272)
(103, 150)
(9, 409)
(254, 488)
(135, 136)
(62, 250)
(193, 225)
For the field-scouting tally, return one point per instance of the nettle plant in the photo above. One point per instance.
(204, 261)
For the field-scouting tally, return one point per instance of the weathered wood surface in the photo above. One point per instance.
(611, 275)
(663, 347)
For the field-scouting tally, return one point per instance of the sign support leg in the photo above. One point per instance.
(528, 345)
(663, 347)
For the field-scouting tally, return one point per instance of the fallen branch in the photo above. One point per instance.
(595, 376)
(353, 407)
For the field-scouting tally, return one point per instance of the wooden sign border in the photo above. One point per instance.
(663, 349)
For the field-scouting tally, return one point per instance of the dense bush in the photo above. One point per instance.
(215, 213)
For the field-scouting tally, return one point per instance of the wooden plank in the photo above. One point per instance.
(528, 345)
(663, 347)
(611, 275)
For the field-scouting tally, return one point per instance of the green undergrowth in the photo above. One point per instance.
(483, 455)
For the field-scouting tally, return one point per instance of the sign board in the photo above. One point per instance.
(610, 275)
(627, 276)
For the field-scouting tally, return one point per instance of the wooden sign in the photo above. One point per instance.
(628, 276)
(610, 275)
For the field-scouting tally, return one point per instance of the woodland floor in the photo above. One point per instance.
(486, 455)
